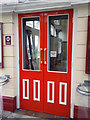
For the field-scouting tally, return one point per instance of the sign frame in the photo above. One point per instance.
(1, 45)
(8, 40)
(88, 48)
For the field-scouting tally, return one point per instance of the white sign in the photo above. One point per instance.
(53, 54)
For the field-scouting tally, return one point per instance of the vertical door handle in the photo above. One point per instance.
(45, 56)
(40, 55)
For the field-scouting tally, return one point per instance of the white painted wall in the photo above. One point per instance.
(80, 54)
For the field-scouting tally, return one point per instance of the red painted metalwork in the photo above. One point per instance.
(87, 51)
(44, 75)
(1, 45)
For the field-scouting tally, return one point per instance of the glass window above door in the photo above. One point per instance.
(31, 43)
(58, 43)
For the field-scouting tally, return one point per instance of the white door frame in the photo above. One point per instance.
(16, 49)
(73, 61)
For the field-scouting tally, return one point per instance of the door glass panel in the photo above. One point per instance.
(31, 43)
(58, 41)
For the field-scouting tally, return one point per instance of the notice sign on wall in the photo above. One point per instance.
(8, 40)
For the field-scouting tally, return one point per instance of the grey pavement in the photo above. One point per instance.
(32, 115)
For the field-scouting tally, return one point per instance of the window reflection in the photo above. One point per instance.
(58, 32)
(31, 44)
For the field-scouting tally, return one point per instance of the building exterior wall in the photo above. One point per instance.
(80, 54)
(10, 54)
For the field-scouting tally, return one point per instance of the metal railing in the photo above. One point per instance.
(4, 79)
(84, 88)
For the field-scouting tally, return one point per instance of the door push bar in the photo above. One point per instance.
(40, 57)
(45, 56)
(86, 85)
(4, 79)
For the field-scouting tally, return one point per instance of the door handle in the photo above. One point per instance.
(40, 55)
(45, 56)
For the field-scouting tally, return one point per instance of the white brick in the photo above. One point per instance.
(7, 17)
(82, 24)
(80, 76)
(81, 51)
(9, 92)
(81, 38)
(83, 11)
(8, 28)
(80, 64)
(8, 50)
(9, 62)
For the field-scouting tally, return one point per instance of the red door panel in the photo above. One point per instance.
(61, 80)
(31, 81)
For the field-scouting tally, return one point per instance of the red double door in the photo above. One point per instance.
(45, 53)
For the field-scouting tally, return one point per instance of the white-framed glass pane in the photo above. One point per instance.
(58, 43)
(31, 43)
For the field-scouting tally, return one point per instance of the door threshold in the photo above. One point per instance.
(39, 114)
